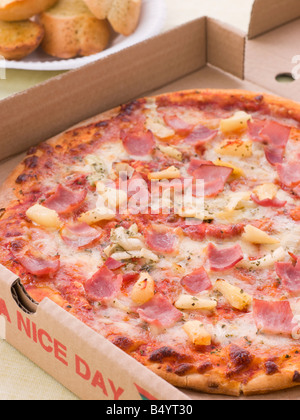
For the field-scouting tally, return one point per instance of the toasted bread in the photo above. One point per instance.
(71, 30)
(16, 10)
(19, 39)
(123, 15)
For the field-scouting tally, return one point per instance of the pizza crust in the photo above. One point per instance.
(216, 383)
(210, 383)
(264, 384)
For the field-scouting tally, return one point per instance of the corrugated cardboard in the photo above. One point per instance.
(270, 55)
(220, 51)
(203, 53)
(71, 352)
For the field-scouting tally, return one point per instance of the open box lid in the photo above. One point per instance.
(268, 52)
(268, 15)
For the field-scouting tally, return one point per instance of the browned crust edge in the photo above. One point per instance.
(210, 383)
(216, 383)
(265, 384)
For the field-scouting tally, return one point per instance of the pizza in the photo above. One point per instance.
(171, 226)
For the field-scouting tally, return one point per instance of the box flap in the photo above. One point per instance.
(273, 54)
(270, 14)
(81, 359)
(225, 47)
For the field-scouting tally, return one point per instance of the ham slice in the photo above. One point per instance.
(296, 190)
(272, 133)
(214, 177)
(200, 135)
(138, 143)
(196, 232)
(65, 200)
(204, 230)
(113, 264)
(289, 173)
(196, 164)
(39, 265)
(161, 240)
(274, 155)
(268, 202)
(196, 282)
(269, 132)
(38, 254)
(290, 275)
(159, 312)
(275, 133)
(224, 259)
(130, 278)
(103, 285)
(273, 317)
(178, 125)
(224, 231)
(79, 235)
(254, 129)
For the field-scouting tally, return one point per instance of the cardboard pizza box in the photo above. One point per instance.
(204, 53)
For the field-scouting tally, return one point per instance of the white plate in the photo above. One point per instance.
(151, 22)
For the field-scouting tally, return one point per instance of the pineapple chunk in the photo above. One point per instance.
(238, 148)
(237, 172)
(265, 262)
(119, 305)
(193, 303)
(171, 151)
(43, 216)
(190, 212)
(197, 333)
(128, 255)
(171, 173)
(266, 191)
(230, 215)
(129, 240)
(158, 128)
(238, 200)
(235, 296)
(120, 167)
(143, 290)
(257, 236)
(96, 215)
(112, 197)
(238, 122)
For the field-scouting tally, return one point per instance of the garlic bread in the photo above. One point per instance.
(19, 39)
(71, 30)
(16, 10)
